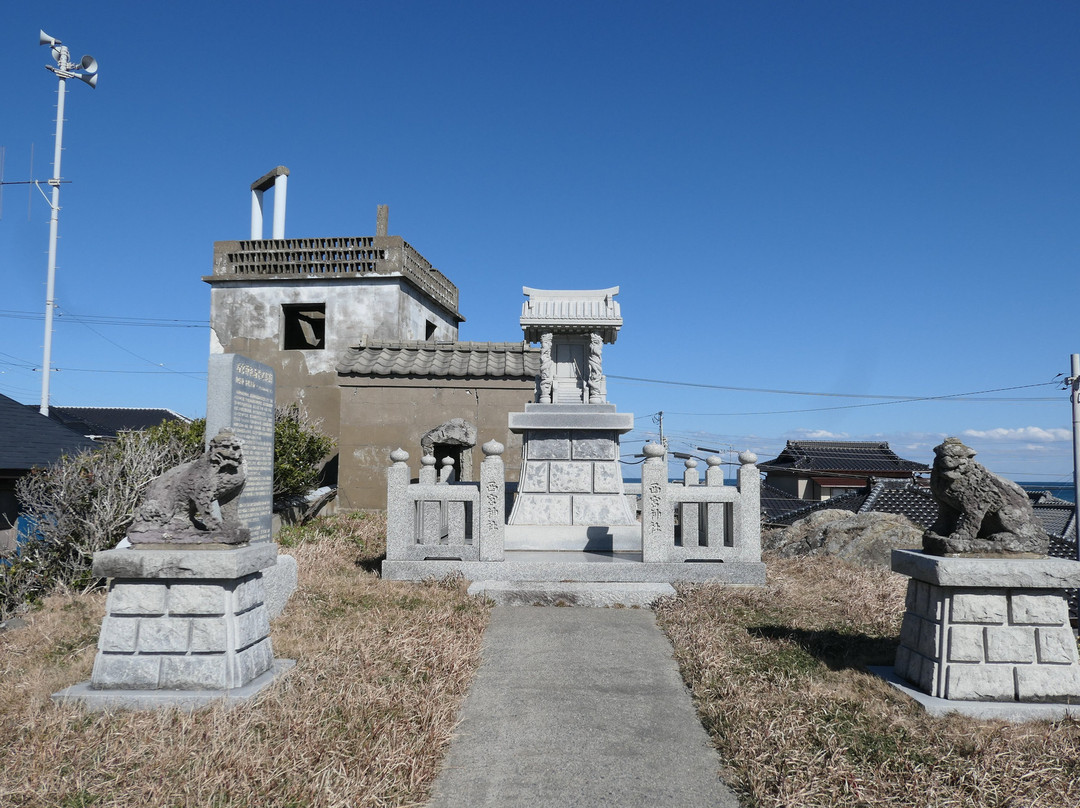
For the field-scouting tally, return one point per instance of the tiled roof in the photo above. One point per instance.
(1058, 517)
(844, 502)
(901, 497)
(499, 360)
(29, 439)
(110, 421)
(775, 503)
(840, 456)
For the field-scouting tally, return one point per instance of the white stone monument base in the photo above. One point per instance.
(988, 629)
(188, 624)
(570, 478)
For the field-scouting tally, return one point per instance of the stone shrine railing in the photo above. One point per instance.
(694, 522)
(436, 519)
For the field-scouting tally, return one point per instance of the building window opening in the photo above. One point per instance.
(304, 327)
(429, 331)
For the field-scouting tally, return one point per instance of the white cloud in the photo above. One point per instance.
(1029, 434)
(817, 434)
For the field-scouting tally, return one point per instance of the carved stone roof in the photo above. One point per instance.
(577, 311)
(491, 360)
(841, 456)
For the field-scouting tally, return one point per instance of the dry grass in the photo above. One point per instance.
(363, 720)
(777, 674)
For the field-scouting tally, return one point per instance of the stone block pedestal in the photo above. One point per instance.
(182, 627)
(987, 629)
(571, 478)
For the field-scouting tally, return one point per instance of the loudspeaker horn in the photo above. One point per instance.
(45, 39)
(89, 78)
(89, 64)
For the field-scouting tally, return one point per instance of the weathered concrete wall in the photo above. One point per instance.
(246, 317)
(380, 415)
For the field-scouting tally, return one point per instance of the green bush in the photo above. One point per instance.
(299, 449)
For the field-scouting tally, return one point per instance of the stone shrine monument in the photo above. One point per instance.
(187, 620)
(987, 618)
(573, 534)
(570, 494)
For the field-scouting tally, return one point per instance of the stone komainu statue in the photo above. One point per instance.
(978, 512)
(179, 506)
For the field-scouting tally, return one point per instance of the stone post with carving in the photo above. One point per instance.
(657, 523)
(547, 368)
(492, 503)
(399, 511)
(596, 374)
(748, 514)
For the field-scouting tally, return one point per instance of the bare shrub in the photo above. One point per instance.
(778, 675)
(82, 504)
(363, 720)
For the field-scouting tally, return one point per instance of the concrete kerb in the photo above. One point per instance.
(571, 593)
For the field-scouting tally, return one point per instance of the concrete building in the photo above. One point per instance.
(363, 332)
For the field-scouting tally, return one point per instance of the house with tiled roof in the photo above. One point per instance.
(28, 440)
(817, 470)
(363, 332)
(108, 422)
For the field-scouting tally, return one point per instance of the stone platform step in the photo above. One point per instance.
(566, 567)
(572, 593)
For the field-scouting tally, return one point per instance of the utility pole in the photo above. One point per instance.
(65, 69)
(1074, 396)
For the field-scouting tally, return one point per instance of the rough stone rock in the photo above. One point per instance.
(979, 512)
(456, 431)
(862, 538)
(180, 506)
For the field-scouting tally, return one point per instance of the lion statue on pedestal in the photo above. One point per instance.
(181, 506)
(979, 512)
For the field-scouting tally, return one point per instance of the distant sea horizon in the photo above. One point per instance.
(1059, 489)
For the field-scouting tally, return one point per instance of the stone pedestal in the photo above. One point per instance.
(987, 629)
(571, 478)
(182, 627)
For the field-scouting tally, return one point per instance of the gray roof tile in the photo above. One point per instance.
(491, 360)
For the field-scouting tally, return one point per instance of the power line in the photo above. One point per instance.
(188, 374)
(105, 319)
(893, 398)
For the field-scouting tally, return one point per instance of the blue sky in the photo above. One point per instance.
(874, 201)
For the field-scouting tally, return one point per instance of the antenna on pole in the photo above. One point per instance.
(86, 71)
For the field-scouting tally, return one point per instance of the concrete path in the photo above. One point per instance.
(579, 707)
